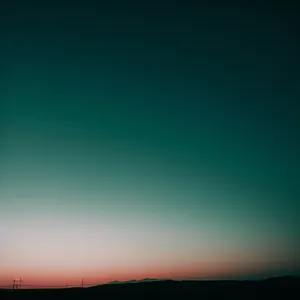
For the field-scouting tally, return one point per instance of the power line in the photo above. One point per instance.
(47, 286)
(18, 283)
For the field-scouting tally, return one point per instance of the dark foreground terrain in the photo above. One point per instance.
(276, 288)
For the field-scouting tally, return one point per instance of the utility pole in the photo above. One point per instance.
(16, 283)
(82, 282)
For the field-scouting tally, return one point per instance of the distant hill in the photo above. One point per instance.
(274, 288)
(135, 281)
(283, 279)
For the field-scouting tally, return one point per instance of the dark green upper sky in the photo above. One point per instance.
(183, 111)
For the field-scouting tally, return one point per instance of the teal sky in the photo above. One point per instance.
(148, 141)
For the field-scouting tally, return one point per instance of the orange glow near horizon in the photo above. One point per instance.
(53, 278)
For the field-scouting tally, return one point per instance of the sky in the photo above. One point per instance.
(148, 139)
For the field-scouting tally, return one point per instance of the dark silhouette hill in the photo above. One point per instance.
(135, 281)
(274, 288)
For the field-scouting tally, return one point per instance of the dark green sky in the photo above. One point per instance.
(171, 117)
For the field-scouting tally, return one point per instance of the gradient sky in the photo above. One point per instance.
(156, 139)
